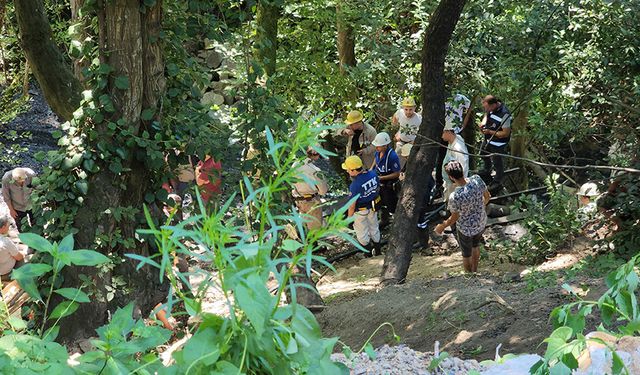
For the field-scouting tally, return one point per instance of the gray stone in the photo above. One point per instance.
(213, 58)
(211, 98)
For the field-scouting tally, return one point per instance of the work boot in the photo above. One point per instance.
(377, 248)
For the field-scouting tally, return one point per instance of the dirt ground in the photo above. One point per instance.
(468, 315)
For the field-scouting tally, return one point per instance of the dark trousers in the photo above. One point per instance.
(388, 196)
(442, 152)
(496, 161)
(21, 215)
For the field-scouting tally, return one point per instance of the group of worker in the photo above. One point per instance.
(376, 168)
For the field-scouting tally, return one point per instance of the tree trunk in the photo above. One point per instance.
(81, 33)
(60, 87)
(131, 38)
(469, 132)
(268, 13)
(519, 142)
(422, 158)
(346, 42)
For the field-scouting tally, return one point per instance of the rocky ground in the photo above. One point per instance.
(27, 134)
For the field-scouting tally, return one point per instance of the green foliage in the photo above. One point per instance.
(617, 311)
(549, 227)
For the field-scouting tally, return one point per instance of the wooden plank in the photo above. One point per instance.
(14, 297)
(508, 219)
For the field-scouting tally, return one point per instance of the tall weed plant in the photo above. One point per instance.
(259, 332)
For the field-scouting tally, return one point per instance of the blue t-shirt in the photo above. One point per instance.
(367, 185)
(388, 163)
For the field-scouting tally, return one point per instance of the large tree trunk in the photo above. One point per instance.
(60, 87)
(346, 42)
(268, 13)
(422, 158)
(131, 40)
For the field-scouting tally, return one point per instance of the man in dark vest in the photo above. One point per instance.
(496, 127)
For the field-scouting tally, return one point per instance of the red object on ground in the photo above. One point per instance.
(210, 178)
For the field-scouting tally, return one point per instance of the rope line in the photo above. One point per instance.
(527, 160)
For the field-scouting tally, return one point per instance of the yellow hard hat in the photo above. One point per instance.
(408, 102)
(352, 162)
(353, 117)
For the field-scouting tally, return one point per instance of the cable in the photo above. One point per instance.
(527, 160)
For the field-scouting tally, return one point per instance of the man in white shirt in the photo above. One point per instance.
(307, 192)
(408, 121)
(456, 150)
(16, 191)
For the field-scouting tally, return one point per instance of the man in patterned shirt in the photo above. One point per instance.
(467, 205)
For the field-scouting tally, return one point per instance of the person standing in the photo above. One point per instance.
(456, 150)
(361, 135)
(209, 179)
(408, 121)
(308, 190)
(496, 127)
(467, 205)
(16, 191)
(387, 165)
(365, 186)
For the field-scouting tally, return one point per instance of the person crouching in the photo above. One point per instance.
(366, 186)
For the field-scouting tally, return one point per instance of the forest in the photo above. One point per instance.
(319, 187)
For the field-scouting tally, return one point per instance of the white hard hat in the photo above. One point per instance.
(588, 190)
(19, 174)
(382, 139)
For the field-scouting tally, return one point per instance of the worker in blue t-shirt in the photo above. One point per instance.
(387, 165)
(366, 187)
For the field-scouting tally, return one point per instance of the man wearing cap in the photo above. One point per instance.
(467, 205)
(587, 195)
(360, 136)
(387, 165)
(408, 121)
(365, 186)
(456, 150)
(308, 190)
(16, 191)
(496, 127)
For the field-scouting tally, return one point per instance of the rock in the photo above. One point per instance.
(218, 86)
(211, 98)
(513, 366)
(213, 58)
(229, 99)
(86, 345)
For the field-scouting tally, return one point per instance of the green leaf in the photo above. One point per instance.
(30, 270)
(86, 258)
(63, 309)
(66, 245)
(147, 114)
(618, 365)
(82, 186)
(73, 294)
(51, 334)
(36, 242)
(256, 302)
(370, 351)
(570, 361)
(16, 323)
(291, 245)
(122, 82)
(29, 285)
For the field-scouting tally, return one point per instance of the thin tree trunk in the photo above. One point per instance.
(60, 87)
(266, 47)
(519, 142)
(346, 42)
(436, 43)
(84, 20)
